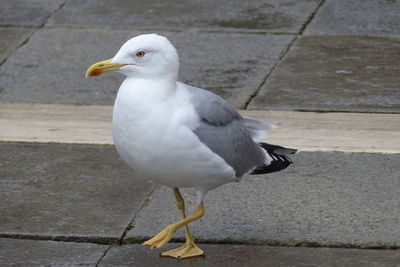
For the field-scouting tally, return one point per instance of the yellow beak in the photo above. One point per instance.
(102, 67)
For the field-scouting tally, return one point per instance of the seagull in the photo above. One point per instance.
(181, 136)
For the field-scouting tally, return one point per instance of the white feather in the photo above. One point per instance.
(258, 128)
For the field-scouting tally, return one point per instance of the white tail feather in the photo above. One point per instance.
(258, 128)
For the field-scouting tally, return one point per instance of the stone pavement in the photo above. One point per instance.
(78, 204)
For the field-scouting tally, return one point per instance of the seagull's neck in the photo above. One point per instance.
(151, 91)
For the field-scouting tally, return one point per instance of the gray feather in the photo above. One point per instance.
(222, 129)
(212, 108)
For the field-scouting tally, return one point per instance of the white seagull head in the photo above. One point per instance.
(145, 56)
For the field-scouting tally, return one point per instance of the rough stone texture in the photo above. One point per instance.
(54, 62)
(240, 255)
(335, 73)
(354, 17)
(27, 12)
(271, 15)
(10, 39)
(328, 199)
(77, 192)
(14, 252)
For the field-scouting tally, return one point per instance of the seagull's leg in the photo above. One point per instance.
(190, 249)
(165, 235)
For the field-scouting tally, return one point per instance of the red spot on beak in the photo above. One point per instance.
(95, 73)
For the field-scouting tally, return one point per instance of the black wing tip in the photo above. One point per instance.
(280, 160)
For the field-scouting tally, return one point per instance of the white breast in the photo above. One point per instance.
(152, 133)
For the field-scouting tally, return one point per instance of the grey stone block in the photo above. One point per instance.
(67, 192)
(27, 12)
(15, 252)
(324, 199)
(10, 39)
(54, 62)
(335, 73)
(354, 17)
(241, 255)
(272, 15)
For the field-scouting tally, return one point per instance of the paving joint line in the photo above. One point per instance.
(6, 26)
(280, 58)
(102, 256)
(276, 243)
(35, 28)
(322, 111)
(22, 143)
(53, 13)
(264, 80)
(20, 45)
(33, 143)
(311, 17)
(253, 242)
(177, 30)
(19, 26)
(100, 240)
(131, 223)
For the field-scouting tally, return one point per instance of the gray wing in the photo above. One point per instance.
(222, 129)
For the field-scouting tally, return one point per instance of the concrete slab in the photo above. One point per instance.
(335, 73)
(241, 255)
(324, 199)
(18, 252)
(10, 39)
(353, 17)
(306, 131)
(67, 192)
(266, 16)
(54, 62)
(27, 12)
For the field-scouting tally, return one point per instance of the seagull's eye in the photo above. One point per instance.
(140, 54)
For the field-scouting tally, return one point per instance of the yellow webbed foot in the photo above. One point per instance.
(161, 238)
(190, 249)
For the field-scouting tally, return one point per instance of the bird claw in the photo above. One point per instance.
(161, 238)
(190, 249)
